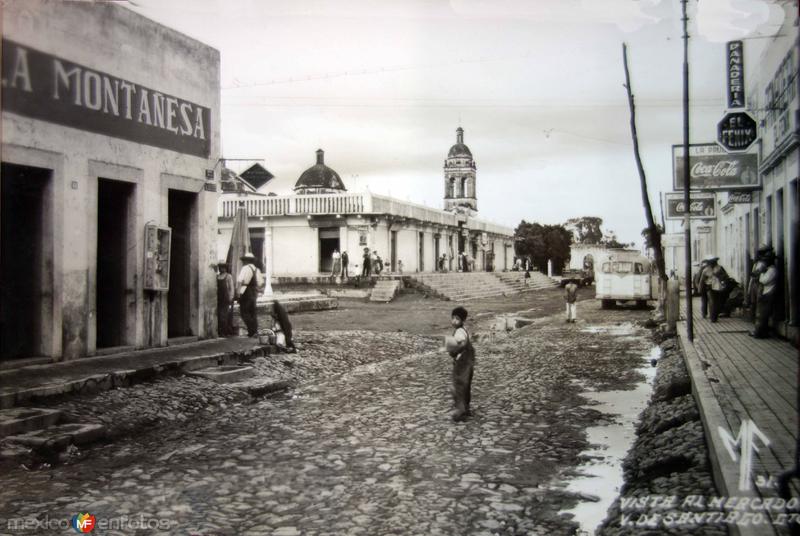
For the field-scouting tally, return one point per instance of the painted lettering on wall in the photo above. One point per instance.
(49, 88)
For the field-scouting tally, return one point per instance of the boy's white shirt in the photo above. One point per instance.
(460, 334)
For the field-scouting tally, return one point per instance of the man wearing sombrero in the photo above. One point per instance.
(248, 292)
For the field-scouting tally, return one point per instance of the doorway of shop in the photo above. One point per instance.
(115, 241)
(182, 206)
(25, 288)
(328, 241)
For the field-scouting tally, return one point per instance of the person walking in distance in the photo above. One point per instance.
(345, 262)
(460, 348)
(365, 270)
(571, 297)
(767, 287)
(336, 263)
(248, 292)
(224, 300)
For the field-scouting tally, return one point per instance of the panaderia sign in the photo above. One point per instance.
(701, 206)
(713, 168)
(49, 88)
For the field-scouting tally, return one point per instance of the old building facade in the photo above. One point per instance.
(297, 234)
(770, 214)
(109, 148)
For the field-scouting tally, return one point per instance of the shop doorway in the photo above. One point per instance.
(114, 242)
(182, 206)
(328, 241)
(257, 246)
(25, 288)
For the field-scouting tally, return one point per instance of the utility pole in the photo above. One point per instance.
(686, 196)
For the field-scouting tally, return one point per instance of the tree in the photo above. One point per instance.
(648, 240)
(587, 229)
(543, 242)
(610, 240)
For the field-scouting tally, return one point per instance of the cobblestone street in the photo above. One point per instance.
(368, 449)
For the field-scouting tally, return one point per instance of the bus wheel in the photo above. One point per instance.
(606, 304)
(641, 304)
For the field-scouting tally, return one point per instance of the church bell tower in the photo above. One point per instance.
(459, 178)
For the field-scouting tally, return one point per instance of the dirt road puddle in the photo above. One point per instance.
(600, 479)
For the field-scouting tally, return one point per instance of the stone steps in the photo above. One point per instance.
(385, 290)
(459, 286)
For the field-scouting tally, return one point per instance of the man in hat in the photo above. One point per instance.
(759, 267)
(767, 288)
(224, 300)
(248, 292)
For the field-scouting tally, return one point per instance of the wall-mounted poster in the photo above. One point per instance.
(701, 206)
(712, 168)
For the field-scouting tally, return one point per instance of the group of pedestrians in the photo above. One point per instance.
(341, 264)
(372, 263)
(249, 283)
(720, 294)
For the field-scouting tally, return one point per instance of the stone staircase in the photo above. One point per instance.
(459, 286)
(385, 290)
(516, 280)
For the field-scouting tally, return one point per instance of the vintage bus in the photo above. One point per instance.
(624, 276)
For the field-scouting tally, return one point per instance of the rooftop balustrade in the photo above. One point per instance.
(350, 203)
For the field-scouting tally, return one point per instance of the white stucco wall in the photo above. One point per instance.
(121, 43)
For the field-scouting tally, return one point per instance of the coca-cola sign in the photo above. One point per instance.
(713, 168)
(701, 206)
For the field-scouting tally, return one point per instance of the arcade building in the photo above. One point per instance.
(296, 234)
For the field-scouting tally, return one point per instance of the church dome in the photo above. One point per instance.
(319, 178)
(459, 149)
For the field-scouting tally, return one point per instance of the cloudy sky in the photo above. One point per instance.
(381, 86)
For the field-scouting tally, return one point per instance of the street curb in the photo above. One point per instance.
(127, 377)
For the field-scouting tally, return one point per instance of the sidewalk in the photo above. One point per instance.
(746, 388)
(22, 386)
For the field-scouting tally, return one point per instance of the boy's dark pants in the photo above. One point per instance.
(462, 385)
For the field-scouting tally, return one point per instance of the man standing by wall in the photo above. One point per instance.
(767, 287)
(248, 292)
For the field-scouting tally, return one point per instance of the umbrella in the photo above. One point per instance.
(240, 244)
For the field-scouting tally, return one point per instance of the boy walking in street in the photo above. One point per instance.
(571, 297)
(460, 348)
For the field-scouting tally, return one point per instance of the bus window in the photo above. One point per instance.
(638, 268)
(623, 267)
(606, 267)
